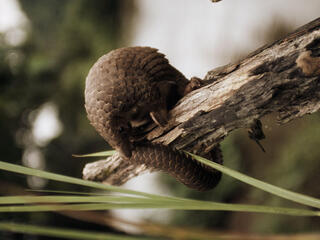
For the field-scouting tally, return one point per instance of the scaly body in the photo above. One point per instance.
(126, 88)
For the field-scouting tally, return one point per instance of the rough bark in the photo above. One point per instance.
(282, 77)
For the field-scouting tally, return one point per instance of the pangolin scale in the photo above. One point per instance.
(130, 86)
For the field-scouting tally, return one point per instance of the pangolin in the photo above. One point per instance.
(127, 88)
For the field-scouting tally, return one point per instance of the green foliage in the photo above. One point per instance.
(132, 200)
(148, 200)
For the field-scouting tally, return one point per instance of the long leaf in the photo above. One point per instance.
(97, 154)
(150, 203)
(292, 196)
(61, 178)
(72, 199)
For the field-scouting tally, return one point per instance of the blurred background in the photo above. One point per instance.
(46, 51)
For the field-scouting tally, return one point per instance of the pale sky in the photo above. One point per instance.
(10, 15)
(199, 35)
(13, 23)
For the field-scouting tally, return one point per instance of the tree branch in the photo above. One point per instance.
(282, 77)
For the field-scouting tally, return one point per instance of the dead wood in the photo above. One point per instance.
(283, 77)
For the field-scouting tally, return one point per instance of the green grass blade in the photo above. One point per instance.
(119, 202)
(97, 154)
(72, 199)
(61, 178)
(149, 203)
(289, 195)
(63, 232)
(130, 202)
(65, 192)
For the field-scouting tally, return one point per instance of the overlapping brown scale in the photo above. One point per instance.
(128, 78)
(179, 165)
